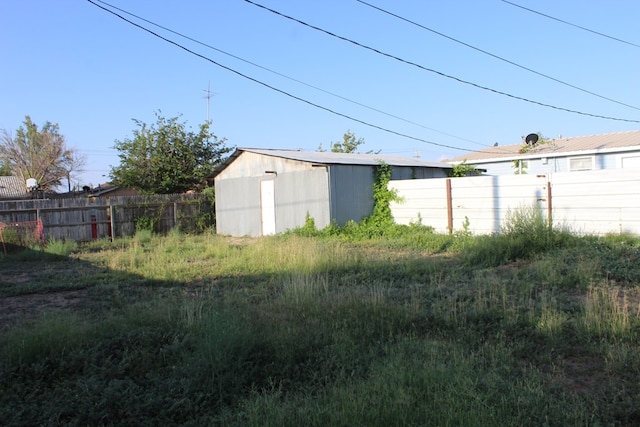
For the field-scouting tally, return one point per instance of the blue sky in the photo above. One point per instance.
(71, 63)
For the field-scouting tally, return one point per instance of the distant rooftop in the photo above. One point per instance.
(555, 147)
(12, 187)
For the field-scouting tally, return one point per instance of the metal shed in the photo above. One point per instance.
(264, 191)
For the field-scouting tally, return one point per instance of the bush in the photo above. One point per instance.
(524, 234)
(61, 247)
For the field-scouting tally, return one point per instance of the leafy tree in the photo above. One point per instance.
(5, 167)
(40, 153)
(166, 157)
(349, 144)
(462, 169)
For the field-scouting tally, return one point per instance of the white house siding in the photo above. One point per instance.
(560, 163)
(591, 202)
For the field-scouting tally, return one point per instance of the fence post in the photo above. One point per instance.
(112, 218)
(175, 214)
(449, 207)
(549, 205)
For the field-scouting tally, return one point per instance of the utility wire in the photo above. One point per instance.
(274, 88)
(569, 23)
(435, 71)
(493, 55)
(288, 77)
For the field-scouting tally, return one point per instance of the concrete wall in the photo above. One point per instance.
(591, 202)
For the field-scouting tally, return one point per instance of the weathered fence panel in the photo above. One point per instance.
(593, 202)
(84, 219)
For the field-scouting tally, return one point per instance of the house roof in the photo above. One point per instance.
(12, 187)
(610, 142)
(331, 158)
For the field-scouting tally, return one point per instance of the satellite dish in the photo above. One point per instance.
(32, 183)
(531, 139)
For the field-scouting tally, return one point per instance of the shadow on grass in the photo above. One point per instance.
(398, 338)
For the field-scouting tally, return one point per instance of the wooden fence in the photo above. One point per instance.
(84, 219)
(590, 202)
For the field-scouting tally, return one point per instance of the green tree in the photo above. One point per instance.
(349, 144)
(41, 154)
(5, 167)
(166, 157)
(462, 169)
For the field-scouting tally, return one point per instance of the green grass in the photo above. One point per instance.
(326, 328)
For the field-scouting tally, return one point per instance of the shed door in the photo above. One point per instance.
(268, 207)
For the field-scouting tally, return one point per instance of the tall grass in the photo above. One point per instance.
(607, 312)
(326, 330)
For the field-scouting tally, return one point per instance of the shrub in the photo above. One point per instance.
(524, 234)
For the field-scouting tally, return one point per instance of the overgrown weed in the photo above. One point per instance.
(329, 328)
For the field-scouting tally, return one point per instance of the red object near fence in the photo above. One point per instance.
(22, 234)
(94, 227)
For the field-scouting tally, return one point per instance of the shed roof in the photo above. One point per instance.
(12, 186)
(618, 141)
(331, 158)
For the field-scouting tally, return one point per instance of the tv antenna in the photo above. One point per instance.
(208, 96)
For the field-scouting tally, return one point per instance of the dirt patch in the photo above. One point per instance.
(26, 307)
(585, 374)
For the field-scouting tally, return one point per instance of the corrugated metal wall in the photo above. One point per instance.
(351, 192)
(327, 193)
(593, 202)
(299, 193)
(238, 206)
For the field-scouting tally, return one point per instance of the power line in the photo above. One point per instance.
(569, 23)
(276, 89)
(435, 71)
(290, 78)
(495, 56)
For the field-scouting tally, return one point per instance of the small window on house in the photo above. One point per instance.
(581, 164)
(521, 167)
(630, 162)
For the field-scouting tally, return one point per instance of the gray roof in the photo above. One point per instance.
(331, 158)
(12, 187)
(610, 142)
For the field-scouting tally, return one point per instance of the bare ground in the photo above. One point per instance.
(19, 308)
